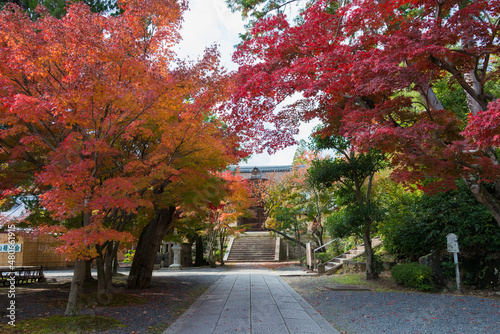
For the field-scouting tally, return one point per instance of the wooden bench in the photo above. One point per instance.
(22, 274)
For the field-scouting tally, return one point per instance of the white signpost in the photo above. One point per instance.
(452, 240)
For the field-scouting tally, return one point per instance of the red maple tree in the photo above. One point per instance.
(368, 70)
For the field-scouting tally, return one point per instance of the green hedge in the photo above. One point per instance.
(413, 275)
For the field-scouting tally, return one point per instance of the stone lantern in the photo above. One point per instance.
(177, 258)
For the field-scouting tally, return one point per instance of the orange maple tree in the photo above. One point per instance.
(101, 122)
(219, 212)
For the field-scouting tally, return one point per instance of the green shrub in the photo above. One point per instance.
(129, 257)
(323, 257)
(413, 275)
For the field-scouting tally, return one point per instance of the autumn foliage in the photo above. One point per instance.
(368, 70)
(94, 112)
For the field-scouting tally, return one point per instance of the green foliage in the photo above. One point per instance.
(351, 219)
(417, 224)
(129, 257)
(356, 169)
(452, 97)
(413, 275)
(57, 8)
(338, 143)
(323, 257)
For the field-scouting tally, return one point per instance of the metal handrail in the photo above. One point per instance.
(325, 244)
(314, 252)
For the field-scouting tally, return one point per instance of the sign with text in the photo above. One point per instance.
(5, 248)
(452, 243)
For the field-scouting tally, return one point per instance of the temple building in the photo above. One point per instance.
(260, 174)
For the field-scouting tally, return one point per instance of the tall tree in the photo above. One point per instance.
(96, 117)
(353, 174)
(367, 69)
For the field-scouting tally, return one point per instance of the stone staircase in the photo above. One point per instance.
(337, 262)
(252, 249)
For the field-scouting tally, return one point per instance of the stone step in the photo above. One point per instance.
(332, 265)
(252, 249)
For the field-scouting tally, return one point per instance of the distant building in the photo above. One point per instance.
(16, 212)
(265, 172)
(260, 174)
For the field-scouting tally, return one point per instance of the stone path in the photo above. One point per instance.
(250, 301)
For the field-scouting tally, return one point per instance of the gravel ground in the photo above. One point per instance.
(353, 312)
(365, 312)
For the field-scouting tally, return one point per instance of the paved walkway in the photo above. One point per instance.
(250, 301)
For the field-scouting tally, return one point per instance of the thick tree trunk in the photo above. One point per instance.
(370, 263)
(198, 262)
(147, 248)
(75, 292)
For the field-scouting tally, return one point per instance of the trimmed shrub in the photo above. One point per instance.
(413, 275)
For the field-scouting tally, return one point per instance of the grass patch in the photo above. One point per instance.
(57, 324)
(119, 300)
(349, 279)
(383, 284)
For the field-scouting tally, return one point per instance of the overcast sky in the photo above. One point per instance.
(210, 22)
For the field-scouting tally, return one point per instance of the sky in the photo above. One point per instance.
(210, 22)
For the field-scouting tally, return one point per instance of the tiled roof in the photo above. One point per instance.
(265, 169)
(17, 211)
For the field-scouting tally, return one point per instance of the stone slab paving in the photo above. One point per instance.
(250, 301)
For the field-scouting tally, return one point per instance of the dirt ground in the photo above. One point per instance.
(152, 310)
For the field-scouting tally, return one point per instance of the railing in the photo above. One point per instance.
(314, 253)
(21, 275)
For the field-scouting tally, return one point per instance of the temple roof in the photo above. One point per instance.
(265, 169)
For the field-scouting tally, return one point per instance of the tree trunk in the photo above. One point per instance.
(370, 264)
(104, 297)
(212, 237)
(472, 104)
(147, 248)
(115, 261)
(484, 197)
(75, 292)
(198, 262)
(88, 271)
(221, 246)
(109, 261)
(299, 248)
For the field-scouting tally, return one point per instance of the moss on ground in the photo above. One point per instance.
(57, 324)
